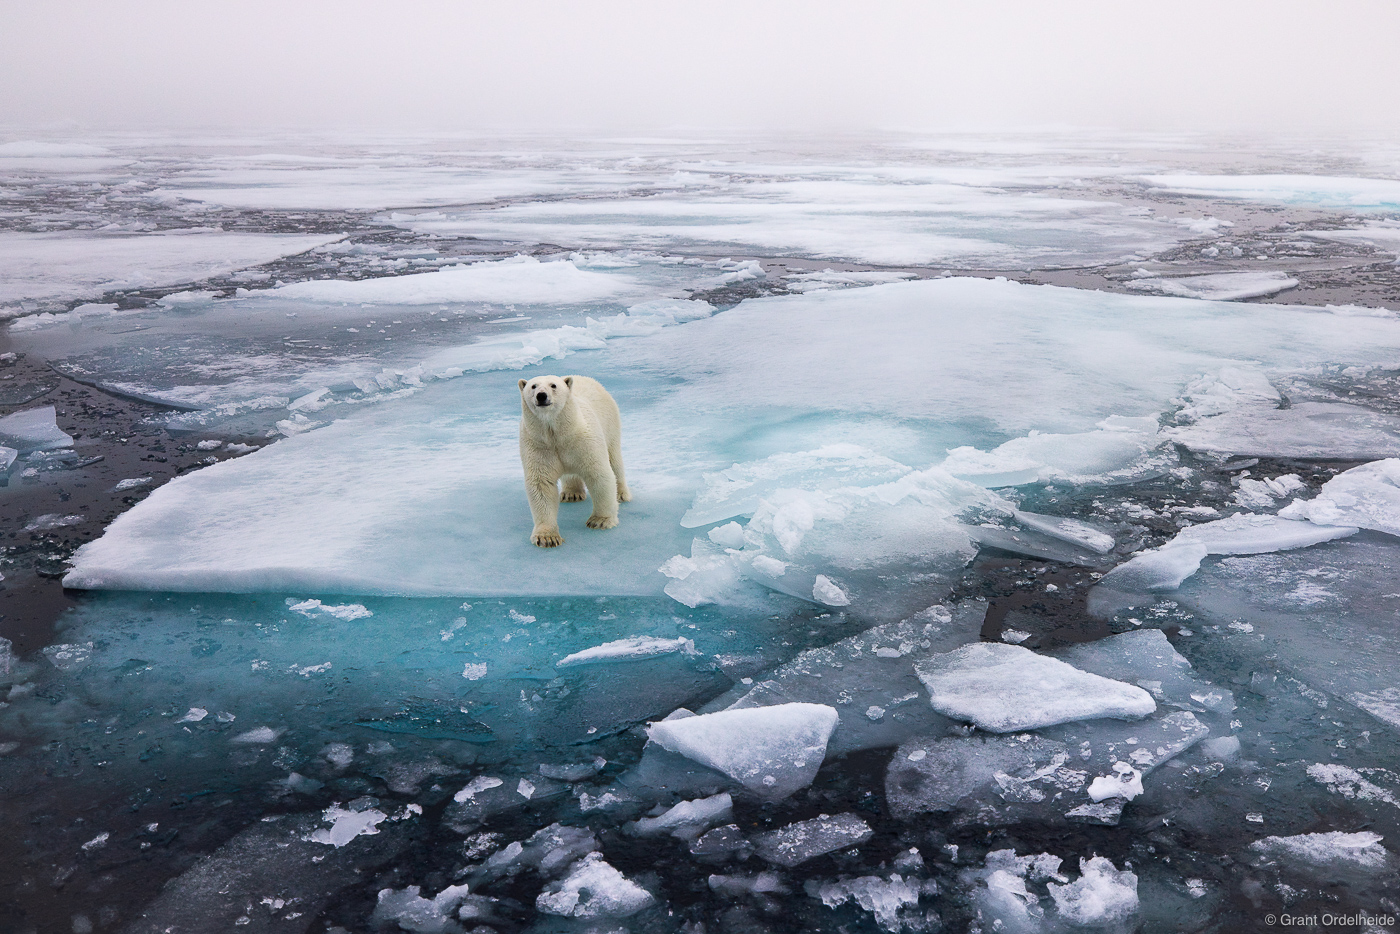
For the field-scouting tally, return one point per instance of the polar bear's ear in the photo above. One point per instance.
(569, 381)
(522, 385)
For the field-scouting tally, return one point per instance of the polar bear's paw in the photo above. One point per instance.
(574, 491)
(624, 495)
(602, 522)
(547, 538)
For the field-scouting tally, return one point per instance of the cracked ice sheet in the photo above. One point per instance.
(61, 266)
(435, 476)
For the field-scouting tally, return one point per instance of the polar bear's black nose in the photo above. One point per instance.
(541, 398)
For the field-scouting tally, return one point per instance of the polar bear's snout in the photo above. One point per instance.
(541, 398)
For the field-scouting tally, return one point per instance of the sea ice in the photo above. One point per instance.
(1319, 190)
(634, 647)
(805, 840)
(688, 819)
(1367, 496)
(1145, 658)
(1220, 287)
(1004, 688)
(1122, 450)
(771, 751)
(872, 669)
(1100, 895)
(1327, 851)
(34, 430)
(412, 912)
(884, 898)
(594, 889)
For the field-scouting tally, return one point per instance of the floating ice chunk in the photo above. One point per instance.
(772, 567)
(1102, 894)
(1125, 782)
(194, 715)
(1070, 530)
(771, 751)
(1245, 534)
(826, 591)
(628, 649)
(573, 771)
(1367, 496)
(797, 843)
(474, 671)
(69, 656)
(1221, 748)
(594, 889)
(34, 430)
(1003, 688)
(1349, 783)
(314, 608)
(97, 842)
(346, 825)
(729, 535)
(953, 773)
(51, 520)
(1326, 851)
(759, 884)
(259, 736)
(1144, 657)
(688, 819)
(130, 484)
(7, 457)
(411, 912)
(884, 898)
(478, 784)
(1265, 493)
(1219, 287)
(1166, 567)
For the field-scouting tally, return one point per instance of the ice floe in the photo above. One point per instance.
(1004, 688)
(771, 751)
(1367, 497)
(1220, 287)
(805, 840)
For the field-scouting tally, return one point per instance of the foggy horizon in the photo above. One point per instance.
(620, 68)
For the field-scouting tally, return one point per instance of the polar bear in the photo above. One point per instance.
(570, 428)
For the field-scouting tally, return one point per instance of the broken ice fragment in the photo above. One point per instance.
(1003, 688)
(771, 751)
(70, 656)
(627, 649)
(797, 843)
(313, 608)
(829, 593)
(474, 671)
(1325, 851)
(480, 783)
(1102, 894)
(883, 898)
(574, 771)
(346, 825)
(688, 819)
(195, 715)
(1367, 496)
(411, 912)
(1126, 783)
(594, 889)
(260, 736)
(34, 430)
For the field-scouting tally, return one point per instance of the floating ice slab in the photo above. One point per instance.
(1164, 568)
(1003, 688)
(594, 889)
(625, 649)
(1305, 429)
(61, 266)
(771, 751)
(1220, 287)
(1326, 851)
(1367, 496)
(1147, 659)
(34, 430)
(797, 843)
(1102, 894)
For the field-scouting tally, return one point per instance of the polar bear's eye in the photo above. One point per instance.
(553, 386)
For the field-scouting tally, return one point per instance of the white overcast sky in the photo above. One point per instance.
(824, 65)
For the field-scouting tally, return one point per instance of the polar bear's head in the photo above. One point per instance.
(545, 396)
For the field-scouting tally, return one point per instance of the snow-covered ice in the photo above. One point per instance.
(1221, 287)
(1367, 497)
(1004, 688)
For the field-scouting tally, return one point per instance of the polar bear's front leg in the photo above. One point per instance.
(544, 507)
(602, 486)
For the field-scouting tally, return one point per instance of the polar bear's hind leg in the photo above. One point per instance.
(574, 490)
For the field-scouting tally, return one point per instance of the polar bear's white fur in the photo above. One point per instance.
(570, 429)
